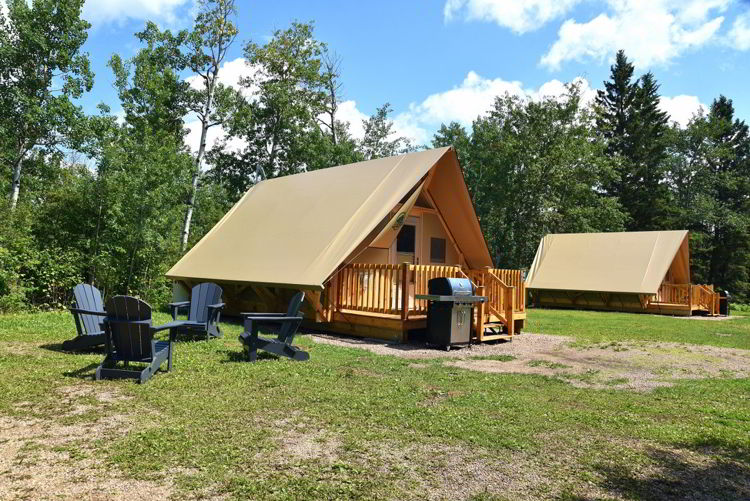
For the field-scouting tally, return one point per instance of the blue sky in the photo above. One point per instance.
(442, 60)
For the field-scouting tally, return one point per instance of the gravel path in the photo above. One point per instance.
(639, 366)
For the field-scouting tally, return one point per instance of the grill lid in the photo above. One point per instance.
(450, 287)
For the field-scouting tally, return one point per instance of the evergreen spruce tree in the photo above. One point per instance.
(723, 153)
(634, 130)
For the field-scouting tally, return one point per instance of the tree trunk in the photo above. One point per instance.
(198, 165)
(15, 182)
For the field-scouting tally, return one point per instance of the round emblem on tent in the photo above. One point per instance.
(399, 221)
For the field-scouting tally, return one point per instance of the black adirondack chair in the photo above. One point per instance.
(88, 312)
(204, 310)
(285, 323)
(129, 337)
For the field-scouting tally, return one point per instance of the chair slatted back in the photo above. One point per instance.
(201, 297)
(287, 331)
(129, 328)
(88, 297)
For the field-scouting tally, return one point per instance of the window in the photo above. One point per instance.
(405, 240)
(437, 250)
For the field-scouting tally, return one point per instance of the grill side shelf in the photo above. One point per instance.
(456, 299)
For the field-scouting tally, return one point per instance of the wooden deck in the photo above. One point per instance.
(378, 300)
(684, 300)
(671, 299)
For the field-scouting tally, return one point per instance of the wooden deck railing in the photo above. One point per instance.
(696, 296)
(379, 288)
(673, 294)
(501, 297)
(513, 278)
(391, 289)
(704, 297)
(422, 275)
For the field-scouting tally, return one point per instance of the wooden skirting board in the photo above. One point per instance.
(385, 327)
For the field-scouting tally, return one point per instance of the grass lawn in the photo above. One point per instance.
(350, 424)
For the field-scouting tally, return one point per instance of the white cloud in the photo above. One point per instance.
(230, 74)
(739, 35)
(681, 108)
(650, 31)
(348, 112)
(472, 98)
(518, 15)
(475, 96)
(106, 11)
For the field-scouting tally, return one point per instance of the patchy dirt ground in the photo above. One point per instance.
(633, 365)
(435, 470)
(48, 459)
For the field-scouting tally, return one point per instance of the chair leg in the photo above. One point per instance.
(252, 353)
(145, 374)
(169, 360)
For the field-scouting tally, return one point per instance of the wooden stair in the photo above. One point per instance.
(497, 330)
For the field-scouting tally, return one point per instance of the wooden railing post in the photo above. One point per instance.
(690, 297)
(481, 308)
(404, 291)
(510, 299)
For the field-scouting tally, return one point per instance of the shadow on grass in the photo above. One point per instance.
(677, 475)
(58, 348)
(239, 356)
(86, 372)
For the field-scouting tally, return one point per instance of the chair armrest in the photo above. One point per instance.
(273, 319)
(169, 325)
(216, 306)
(175, 308)
(262, 315)
(88, 312)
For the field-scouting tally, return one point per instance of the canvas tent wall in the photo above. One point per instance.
(294, 232)
(611, 271)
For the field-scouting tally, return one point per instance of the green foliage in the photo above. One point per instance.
(112, 203)
(152, 93)
(290, 95)
(711, 175)
(378, 140)
(39, 43)
(635, 132)
(534, 168)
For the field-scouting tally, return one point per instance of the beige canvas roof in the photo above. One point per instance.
(296, 230)
(632, 262)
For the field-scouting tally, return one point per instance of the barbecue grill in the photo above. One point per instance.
(450, 311)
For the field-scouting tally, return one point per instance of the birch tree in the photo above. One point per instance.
(207, 46)
(41, 70)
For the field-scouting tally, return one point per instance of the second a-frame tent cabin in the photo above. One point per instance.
(362, 239)
(642, 271)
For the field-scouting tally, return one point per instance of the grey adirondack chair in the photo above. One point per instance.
(129, 337)
(204, 310)
(88, 312)
(285, 323)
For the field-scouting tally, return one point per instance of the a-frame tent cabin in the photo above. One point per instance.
(644, 271)
(362, 239)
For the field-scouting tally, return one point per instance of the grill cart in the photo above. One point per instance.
(450, 311)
